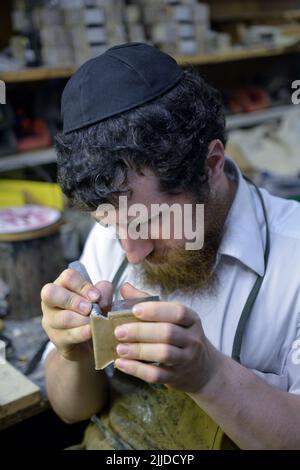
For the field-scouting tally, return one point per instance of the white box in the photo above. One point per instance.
(70, 4)
(186, 30)
(223, 41)
(187, 47)
(202, 13)
(164, 33)
(211, 41)
(54, 35)
(58, 56)
(94, 16)
(183, 13)
(96, 50)
(96, 35)
(200, 37)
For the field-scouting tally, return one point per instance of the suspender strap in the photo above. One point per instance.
(119, 272)
(237, 343)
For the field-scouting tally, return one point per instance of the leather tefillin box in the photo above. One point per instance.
(103, 326)
(104, 340)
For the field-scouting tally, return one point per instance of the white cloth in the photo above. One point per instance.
(271, 343)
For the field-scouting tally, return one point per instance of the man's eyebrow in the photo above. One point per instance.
(152, 217)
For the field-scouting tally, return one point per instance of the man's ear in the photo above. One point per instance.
(215, 162)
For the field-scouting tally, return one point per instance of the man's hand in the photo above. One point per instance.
(66, 305)
(172, 336)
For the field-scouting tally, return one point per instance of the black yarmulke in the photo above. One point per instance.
(122, 78)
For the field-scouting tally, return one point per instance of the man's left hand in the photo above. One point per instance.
(170, 335)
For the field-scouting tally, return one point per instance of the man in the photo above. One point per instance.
(223, 341)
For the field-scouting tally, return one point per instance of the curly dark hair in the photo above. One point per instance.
(169, 135)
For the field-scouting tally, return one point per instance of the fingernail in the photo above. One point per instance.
(93, 295)
(122, 349)
(138, 310)
(120, 332)
(85, 307)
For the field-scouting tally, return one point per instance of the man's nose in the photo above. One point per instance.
(136, 250)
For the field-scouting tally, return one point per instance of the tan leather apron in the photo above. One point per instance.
(146, 417)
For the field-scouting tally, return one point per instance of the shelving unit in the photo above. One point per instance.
(235, 54)
(253, 119)
(230, 58)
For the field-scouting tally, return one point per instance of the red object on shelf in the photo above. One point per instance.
(39, 135)
(247, 100)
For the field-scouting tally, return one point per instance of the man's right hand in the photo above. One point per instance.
(66, 305)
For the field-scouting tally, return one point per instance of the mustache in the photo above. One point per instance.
(161, 256)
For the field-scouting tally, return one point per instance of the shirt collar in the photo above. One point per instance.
(242, 238)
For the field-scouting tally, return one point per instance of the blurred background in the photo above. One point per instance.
(248, 49)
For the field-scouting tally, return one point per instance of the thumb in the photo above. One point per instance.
(128, 291)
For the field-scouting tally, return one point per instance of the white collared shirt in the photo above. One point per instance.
(271, 343)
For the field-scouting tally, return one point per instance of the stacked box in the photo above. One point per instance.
(114, 11)
(75, 31)
(177, 26)
(57, 48)
(136, 31)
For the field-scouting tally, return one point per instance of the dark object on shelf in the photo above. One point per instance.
(4, 292)
(247, 100)
(31, 133)
(8, 144)
(3, 308)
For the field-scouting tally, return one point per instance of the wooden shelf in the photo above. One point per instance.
(237, 55)
(46, 73)
(37, 73)
(238, 121)
(224, 17)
